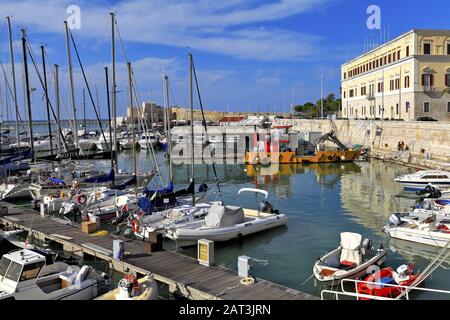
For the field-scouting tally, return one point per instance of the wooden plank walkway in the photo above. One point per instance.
(181, 273)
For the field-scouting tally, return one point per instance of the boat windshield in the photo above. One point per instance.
(13, 271)
(31, 271)
(4, 264)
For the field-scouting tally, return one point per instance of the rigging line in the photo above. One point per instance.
(42, 84)
(12, 95)
(152, 151)
(138, 99)
(87, 85)
(206, 129)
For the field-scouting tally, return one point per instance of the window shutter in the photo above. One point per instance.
(423, 80)
(431, 80)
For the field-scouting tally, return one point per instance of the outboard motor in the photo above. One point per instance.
(203, 188)
(266, 207)
(367, 244)
(394, 220)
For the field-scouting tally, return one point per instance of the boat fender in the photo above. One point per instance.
(82, 199)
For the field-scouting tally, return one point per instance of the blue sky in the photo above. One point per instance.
(250, 54)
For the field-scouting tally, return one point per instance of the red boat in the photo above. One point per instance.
(384, 277)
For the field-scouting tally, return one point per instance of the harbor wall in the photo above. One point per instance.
(428, 142)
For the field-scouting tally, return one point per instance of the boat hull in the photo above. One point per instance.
(328, 156)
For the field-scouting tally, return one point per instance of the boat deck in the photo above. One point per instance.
(183, 274)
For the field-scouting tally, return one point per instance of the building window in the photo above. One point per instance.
(396, 108)
(351, 93)
(385, 60)
(427, 48)
(345, 75)
(447, 80)
(448, 47)
(391, 85)
(407, 51)
(397, 84)
(448, 106)
(380, 87)
(398, 55)
(426, 107)
(407, 82)
(427, 80)
(389, 58)
(407, 106)
(345, 95)
(394, 57)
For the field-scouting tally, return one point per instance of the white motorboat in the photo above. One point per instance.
(351, 260)
(223, 223)
(159, 221)
(24, 276)
(421, 179)
(131, 288)
(433, 230)
(10, 191)
(147, 140)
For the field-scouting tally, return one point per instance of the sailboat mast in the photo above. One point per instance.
(58, 115)
(84, 110)
(47, 100)
(167, 124)
(114, 98)
(132, 119)
(72, 94)
(109, 117)
(191, 99)
(16, 106)
(27, 89)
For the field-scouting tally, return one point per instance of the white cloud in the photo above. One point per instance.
(223, 27)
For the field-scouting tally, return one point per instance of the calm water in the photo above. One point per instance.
(321, 201)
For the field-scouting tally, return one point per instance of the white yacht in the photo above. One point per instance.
(420, 179)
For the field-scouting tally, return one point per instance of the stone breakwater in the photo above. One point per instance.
(428, 143)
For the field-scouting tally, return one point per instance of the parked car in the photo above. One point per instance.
(426, 119)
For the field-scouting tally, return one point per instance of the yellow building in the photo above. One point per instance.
(406, 78)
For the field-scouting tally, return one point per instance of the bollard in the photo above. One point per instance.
(244, 264)
(205, 252)
(43, 209)
(118, 249)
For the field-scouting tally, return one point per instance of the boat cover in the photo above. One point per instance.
(101, 178)
(350, 243)
(223, 216)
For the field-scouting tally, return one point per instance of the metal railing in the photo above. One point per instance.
(358, 296)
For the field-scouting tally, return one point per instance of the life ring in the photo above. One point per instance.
(135, 226)
(82, 199)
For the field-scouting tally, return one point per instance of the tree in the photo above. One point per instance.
(311, 110)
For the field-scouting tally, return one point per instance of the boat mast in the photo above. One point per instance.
(132, 119)
(47, 100)
(167, 124)
(114, 101)
(72, 94)
(191, 99)
(16, 106)
(84, 110)
(109, 117)
(58, 119)
(27, 89)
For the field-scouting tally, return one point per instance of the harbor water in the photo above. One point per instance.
(321, 201)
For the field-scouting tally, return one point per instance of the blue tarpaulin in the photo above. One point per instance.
(57, 181)
(165, 190)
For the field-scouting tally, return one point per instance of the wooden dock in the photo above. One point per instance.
(182, 274)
